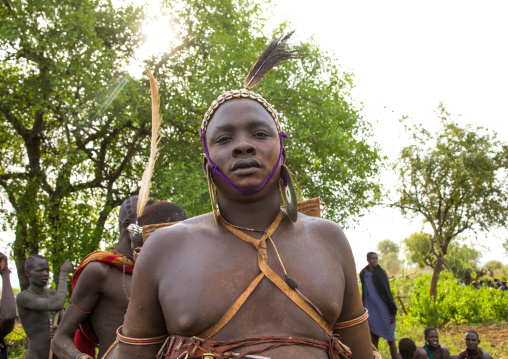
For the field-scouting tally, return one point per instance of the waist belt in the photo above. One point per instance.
(176, 347)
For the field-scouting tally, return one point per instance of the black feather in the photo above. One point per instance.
(291, 283)
(276, 52)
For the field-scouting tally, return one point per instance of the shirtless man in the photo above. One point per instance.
(101, 293)
(37, 306)
(432, 344)
(189, 275)
(408, 350)
(8, 309)
(472, 350)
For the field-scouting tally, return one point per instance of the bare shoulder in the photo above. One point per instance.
(485, 355)
(22, 297)
(445, 353)
(184, 230)
(95, 271)
(168, 241)
(322, 229)
(321, 226)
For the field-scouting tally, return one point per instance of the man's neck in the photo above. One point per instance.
(124, 246)
(37, 289)
(256, 215)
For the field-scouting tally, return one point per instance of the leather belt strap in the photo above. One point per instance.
(260, 245)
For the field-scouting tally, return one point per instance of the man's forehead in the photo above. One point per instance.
(244, 112)
(40, 262)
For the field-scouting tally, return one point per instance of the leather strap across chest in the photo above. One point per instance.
(266, 271)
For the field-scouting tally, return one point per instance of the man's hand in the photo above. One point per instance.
(392, 319)
(67, 266)
(4, 264)
(52, 331)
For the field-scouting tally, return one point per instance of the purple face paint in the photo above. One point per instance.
(241, 189)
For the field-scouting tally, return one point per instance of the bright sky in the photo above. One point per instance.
(407, 56)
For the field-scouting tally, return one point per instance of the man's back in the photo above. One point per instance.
(200, 269)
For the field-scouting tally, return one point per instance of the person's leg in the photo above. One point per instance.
(375, 340)
(393, 350)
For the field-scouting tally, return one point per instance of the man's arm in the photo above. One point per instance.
(8, 302)
(357, 336)
(53, 303)
(85, 295)
(144, 317)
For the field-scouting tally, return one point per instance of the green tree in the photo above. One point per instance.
(493, 264)
(388, 252)
(418, 250)
(461, 260)
(73, 122)
(68, 134)
(454, 179)
(387, 246)
(327, 152)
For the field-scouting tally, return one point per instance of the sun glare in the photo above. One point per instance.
(159, 36)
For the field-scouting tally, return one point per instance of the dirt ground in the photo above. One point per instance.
(493, 335)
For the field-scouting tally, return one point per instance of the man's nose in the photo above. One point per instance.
(243, 147)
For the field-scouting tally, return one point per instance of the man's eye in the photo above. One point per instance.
(222, 139)
(260, 134)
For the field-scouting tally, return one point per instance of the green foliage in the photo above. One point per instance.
(454, 303)
(71, 121)
(74, 126)
(455, 180)
(461, 260)
(418, 250)
(391, 263)
(327, 151)
(387, 246)
(17, 343)
(494, 265)
(388, 252)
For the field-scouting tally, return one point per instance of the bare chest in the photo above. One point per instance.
(109, 311)
(208, 275)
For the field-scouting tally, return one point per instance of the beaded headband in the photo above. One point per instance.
(243, 93)
(276, 52)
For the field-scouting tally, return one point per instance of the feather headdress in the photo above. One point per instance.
(144, 191)
(277, 51)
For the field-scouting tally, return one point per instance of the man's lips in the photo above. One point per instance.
(245, 164)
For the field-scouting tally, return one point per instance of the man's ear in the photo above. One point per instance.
(126, 222)
(205, 163)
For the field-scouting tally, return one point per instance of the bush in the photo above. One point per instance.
(454, 303)
(17, 343)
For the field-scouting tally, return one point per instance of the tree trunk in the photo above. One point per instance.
(435, 276)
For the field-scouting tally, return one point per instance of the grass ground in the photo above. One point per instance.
(494, 339)
(493, 336)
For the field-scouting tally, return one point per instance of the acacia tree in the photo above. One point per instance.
(454, 179)
(461, 260)
(73, 121)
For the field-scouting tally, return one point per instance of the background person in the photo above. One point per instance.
(37, 305)
(8, 308)
(378, 299)
(472, 350)
(408, 350)
(432, 347)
